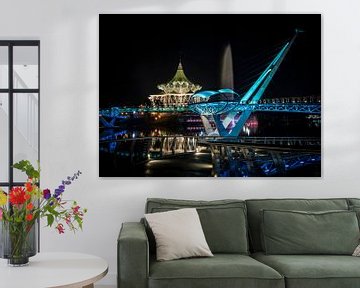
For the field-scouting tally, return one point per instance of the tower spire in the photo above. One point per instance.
(180, 64)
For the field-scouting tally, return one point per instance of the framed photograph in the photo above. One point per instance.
(210, 95)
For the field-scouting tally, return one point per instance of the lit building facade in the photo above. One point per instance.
(175, 93)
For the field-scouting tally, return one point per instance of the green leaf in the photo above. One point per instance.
(50, 219)
(53, 211)
(79, 221)
(28, 168)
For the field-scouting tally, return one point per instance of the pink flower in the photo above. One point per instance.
(68, 219)
(1, 212)
(60, 228)
(76, 210)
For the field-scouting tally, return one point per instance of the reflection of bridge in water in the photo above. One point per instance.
(248, 156)
(264, 156)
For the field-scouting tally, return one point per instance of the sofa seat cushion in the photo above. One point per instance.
(313, 271)
(222, 270)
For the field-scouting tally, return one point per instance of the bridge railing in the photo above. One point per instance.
(311, 105)
(306, 99)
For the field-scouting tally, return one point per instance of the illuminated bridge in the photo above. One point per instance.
(280, 105)
(224, 112)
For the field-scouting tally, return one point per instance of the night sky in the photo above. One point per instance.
(138, 52)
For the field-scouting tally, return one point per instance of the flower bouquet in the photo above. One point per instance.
(21, 208)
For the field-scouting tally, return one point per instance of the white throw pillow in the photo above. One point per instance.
(178, 234)
(357, 251)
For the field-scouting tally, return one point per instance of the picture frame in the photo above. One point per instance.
(216, 97)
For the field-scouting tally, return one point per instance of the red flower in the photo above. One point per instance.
(27, 196)
(29, 186)
(29, 206)
(17, 196)
(29, 217)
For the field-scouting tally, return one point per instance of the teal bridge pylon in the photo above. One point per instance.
(229, 111)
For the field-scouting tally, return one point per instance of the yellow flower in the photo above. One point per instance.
(3, 198)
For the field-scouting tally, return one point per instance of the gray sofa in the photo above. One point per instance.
(234, 230)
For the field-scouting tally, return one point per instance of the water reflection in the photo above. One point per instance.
(175, 146)
(189, 127)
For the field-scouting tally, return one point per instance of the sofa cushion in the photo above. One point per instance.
(356, 209)
(297, 232)
(313, 271)
(354, 205)
(178, 234)
(254, 207)
(353, 201)
(222, 270)
(223, 221)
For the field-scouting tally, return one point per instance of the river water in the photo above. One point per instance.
(119, 163)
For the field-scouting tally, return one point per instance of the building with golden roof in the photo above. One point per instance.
(175, 93)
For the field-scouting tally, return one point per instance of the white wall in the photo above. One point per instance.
(68, 30)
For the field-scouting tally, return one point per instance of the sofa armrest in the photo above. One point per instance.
(133, 256)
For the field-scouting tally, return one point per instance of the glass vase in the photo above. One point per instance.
(18, 242)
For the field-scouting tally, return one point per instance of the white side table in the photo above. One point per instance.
(50, 270)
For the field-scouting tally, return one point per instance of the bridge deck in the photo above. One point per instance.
(210, 108)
